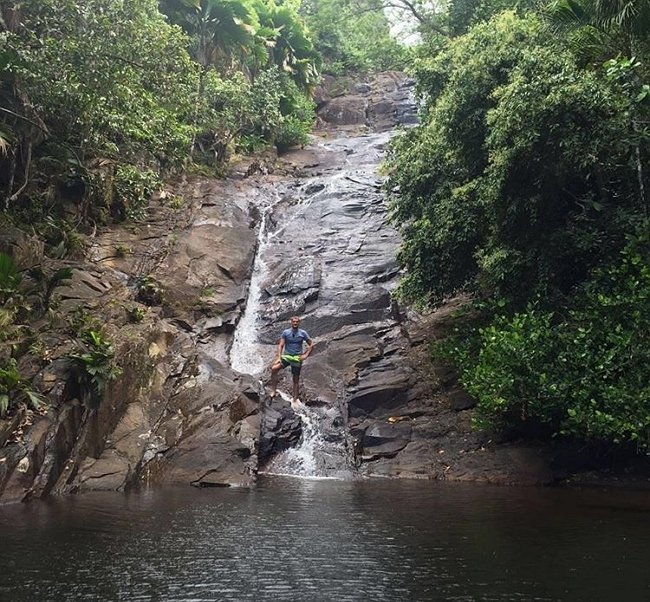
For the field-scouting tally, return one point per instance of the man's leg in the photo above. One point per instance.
(296, 385)
(275, 371)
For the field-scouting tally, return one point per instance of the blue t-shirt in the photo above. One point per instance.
(293, 340)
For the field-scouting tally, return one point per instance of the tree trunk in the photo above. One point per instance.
(195, 116)
(639, 175)
(12, 177)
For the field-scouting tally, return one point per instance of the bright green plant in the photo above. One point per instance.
(250, 144)
(81, 320)
(583, 374)
(297, 116)
(225, 113)
(137, 314)
(93, 367)
(176, 202)
(270, 110)
(14, 389)
(133, 189)
(292, 132)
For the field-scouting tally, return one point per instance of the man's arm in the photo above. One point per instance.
(310, 346)
(280, 347)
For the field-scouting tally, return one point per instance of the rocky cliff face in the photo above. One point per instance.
(179, 413)
(176, 413)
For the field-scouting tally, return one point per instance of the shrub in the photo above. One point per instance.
(137, 314)
(93, 367)
(133, 189)
(14, 389)
(584, 374)
(297, 111)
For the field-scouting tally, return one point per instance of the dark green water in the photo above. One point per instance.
(295, 540)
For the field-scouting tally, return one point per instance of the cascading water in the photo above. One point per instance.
(314, 456)
(244, 354)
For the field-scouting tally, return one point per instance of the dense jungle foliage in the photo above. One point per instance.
(100, 99)
(526, 186)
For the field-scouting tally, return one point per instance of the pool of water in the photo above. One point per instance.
(299, 539)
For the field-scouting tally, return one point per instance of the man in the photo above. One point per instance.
(290, 353)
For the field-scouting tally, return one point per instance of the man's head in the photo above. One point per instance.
(295, 322)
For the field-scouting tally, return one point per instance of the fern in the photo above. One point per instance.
(14, 389)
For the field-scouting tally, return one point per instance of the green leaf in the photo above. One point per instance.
(35, 398)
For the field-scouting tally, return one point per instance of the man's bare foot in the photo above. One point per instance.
(272, 394)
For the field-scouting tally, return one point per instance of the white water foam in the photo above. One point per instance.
(301, 460)
(313, 457)
(245, 356)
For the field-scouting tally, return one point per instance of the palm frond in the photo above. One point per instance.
(6, 139)
(568, 14)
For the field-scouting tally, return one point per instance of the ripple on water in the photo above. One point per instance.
(299, 540)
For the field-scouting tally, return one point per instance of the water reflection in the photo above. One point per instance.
(294, 539)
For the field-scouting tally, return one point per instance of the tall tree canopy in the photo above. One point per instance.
(352, 36)
(516, 162)
(223, 30)
(526, 184)
(95, 93)
(288, 44)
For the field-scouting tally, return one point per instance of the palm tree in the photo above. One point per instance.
(222, 29)
(630, 16)
(285, 38)
(603, 26)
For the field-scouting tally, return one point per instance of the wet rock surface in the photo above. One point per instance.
(179, 413)
(176, 413)
(330, 258)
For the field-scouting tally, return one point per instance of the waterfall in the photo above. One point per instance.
(244, 354)
(314, 456)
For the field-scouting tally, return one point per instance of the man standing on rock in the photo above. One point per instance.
(290, 353)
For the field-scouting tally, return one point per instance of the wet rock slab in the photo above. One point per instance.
(178, 413)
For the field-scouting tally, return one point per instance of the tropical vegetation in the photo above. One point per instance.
(103, 101)
(526, 186)
(94, 92)
(354, 36)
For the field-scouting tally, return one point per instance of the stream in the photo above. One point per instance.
(330, 540)
(324, 251)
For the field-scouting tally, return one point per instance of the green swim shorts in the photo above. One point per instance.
(292, 360)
